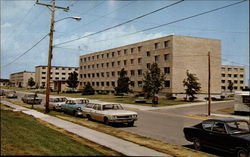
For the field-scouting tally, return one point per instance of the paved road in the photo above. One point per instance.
(167, 124)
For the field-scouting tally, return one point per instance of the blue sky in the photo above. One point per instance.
(23, 24)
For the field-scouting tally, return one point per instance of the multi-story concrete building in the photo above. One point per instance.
(58, 76)
(234, 74)
(174, 55)
(20, 79)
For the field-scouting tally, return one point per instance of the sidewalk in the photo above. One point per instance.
(125, 147)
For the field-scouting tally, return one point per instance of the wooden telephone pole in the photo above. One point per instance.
(209, 83)
(52, 22)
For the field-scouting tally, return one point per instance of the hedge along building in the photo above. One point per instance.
(173, 54)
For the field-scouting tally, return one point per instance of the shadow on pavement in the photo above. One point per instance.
(212, 151)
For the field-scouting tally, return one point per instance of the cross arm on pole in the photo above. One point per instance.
(48, 5)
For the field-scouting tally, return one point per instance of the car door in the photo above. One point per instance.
(219, 136)
(66, 106)
(99, 113)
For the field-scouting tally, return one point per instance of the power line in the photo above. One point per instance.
(26, 51)
(126, 22)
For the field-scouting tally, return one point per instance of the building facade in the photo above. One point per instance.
(58, 77)
(4, 82)
(173, 54)
(20, 79)
(234, 74)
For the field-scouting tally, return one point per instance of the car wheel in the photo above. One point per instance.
(242, 153)
(131, 124)
(106, 121)
(197, 144)
(89, 117)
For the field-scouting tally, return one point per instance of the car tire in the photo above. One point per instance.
(106, 121)
(242, 153)
(89, 117)
(197, 144)
(130, 124)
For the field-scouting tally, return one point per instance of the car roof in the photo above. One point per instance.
(226, 120)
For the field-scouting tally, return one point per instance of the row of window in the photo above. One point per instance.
(56, 73)
(56, 78)
(113, 73)
(113, 84)
(235, 88)
(233, 75)
(231, 69)
(62, 68)
(157, 45)
(124, 62)
(235, 81)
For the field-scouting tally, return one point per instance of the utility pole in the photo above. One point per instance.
(209, 84)
(52, 22)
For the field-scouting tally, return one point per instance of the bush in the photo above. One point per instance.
(88, 90)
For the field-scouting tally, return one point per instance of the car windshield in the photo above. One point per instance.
(112, 107)
(238, 127)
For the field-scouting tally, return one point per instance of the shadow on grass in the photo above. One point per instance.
(211, 151)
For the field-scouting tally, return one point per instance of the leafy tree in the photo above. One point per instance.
(230, 86)
(192, 85)
(122, 82)
(31, 82)
(153, 80)
(73, 80)
(88, 90)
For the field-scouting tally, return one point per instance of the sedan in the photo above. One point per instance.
(109, 113)
(74, 106)
(31, 99)
(230, 135)
(56, 102)
(11, 94)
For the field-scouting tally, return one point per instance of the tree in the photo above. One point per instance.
(31, 82)
(192, 84)
(73, 80)
(230, 86)
(122, 82)
(88, 90)
(153, 80)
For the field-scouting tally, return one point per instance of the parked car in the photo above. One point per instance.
(56, 102)
(31, 99)
(11, 94)
(109, 113)
(1, 92)
(74, 106)
(230, 135)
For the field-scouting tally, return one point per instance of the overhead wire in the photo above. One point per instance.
(123, 23)
(26, 51)
(189, 17)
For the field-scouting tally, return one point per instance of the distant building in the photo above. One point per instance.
(58, 77)
(174, 55)
(20, 79)
(234, 74)
(4, 82)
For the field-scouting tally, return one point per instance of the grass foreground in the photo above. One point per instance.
(24, 135)
(171, 149)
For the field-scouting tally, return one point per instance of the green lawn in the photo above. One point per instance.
(23, 135)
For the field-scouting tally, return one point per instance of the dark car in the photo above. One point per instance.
(31, 99)
(230, 135)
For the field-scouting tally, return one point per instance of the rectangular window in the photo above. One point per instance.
(118, 63)
(93, 66)
(223, 75)
(148, 53)
(93, 83)
(139, 48)
(119, 53)
(57, 78)
(43, 78)
(102, 55)
(102, 83)
(241, 82)
(166, 43)
(97, 57)
(107, 84)
(102, 65)
(107, 64)
(157, 58)
(93, 75)
(167, 70)
(89, 76)
(157, 46)
(102, 74)
(107, 74)
(223, 81)
(235, 81)
(132, 83)
(113, 54)
(166, 57)
(167, 84)
(43, 72)
(97, 84)
(93, 57)
(223, 87)
(97, 65)
(97, 75)
(148, 65)
(229, 75)
(113, 83)
(125, 51)
(113, 73)
(132, 61)
(84, 59)
(88, 66)
(139, 83)
(139, 60)
(113, 64)
(132, 50)
(235, 75)
(107, 55)
(125, 62)
(63, 78)
(132, 72)
(229, 69)
(89, 58)
(139, 72)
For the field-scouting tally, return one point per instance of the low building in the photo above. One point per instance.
(234, 74)
(173, 54)
(4, 82)
(20, 79)
(58, 77)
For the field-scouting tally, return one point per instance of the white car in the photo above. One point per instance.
(56, 102)
(109, 113)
